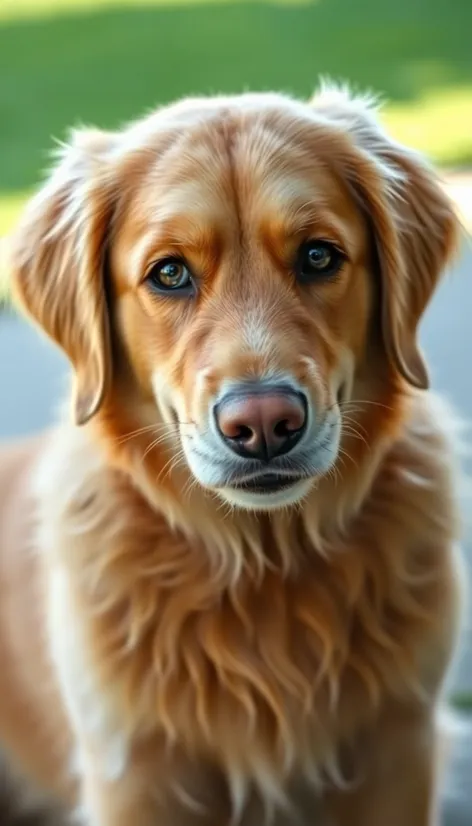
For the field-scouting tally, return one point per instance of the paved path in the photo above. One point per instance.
(33, 376)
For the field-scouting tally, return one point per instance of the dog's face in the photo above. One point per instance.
(241, 265)
(259, 268)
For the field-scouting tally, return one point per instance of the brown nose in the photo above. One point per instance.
(262, 425)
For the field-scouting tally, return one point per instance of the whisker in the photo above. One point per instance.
(348, 420)
(171, 464)
(363, 402)
(171, 427)
(348, 430)
(189, 487)
(138, 432)
(348, 456)
(228, 507)
(155, 443)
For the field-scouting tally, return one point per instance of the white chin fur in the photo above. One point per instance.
(266, 501)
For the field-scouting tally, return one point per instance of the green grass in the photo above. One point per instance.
(64, 62)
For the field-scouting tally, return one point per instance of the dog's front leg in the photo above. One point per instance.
(157, 787)
(118, 781)
(128, 800)
(397, 776)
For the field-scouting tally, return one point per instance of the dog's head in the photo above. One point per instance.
(241, 269)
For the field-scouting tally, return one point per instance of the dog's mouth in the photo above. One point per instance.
(267, 483)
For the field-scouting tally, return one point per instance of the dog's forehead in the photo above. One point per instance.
(228, 158)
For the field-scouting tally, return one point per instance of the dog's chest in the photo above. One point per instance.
(279, 663)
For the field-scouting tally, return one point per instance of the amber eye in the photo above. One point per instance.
(318, 259)
(171, 275)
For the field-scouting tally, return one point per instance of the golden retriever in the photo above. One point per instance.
(229, 585)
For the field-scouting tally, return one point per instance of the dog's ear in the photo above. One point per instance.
(57, 262)
(414, 224)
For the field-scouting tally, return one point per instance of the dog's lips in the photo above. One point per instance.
(267, 483)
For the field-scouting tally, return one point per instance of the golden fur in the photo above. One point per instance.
(202, 662)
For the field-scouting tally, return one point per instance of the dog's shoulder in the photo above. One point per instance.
(417, 490)
(428, 453)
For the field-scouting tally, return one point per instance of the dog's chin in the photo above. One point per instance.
(273, 487)
(266, 500)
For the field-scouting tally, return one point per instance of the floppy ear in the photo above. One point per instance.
(57, 261)
(414, 224)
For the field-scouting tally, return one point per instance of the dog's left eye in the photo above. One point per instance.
(170, 275)
(318, 259)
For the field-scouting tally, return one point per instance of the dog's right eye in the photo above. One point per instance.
(170, 275)
(318, 259)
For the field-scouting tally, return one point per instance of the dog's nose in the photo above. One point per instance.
(262, 425)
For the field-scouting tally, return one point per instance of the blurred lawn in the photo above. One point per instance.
(64, 62)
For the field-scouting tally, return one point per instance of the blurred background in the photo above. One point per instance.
(65, 62)
(73, 62)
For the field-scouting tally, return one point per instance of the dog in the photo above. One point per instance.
(230, 579)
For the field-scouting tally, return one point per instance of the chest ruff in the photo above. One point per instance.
(268, 675)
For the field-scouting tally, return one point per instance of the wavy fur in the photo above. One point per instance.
(213, 664)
